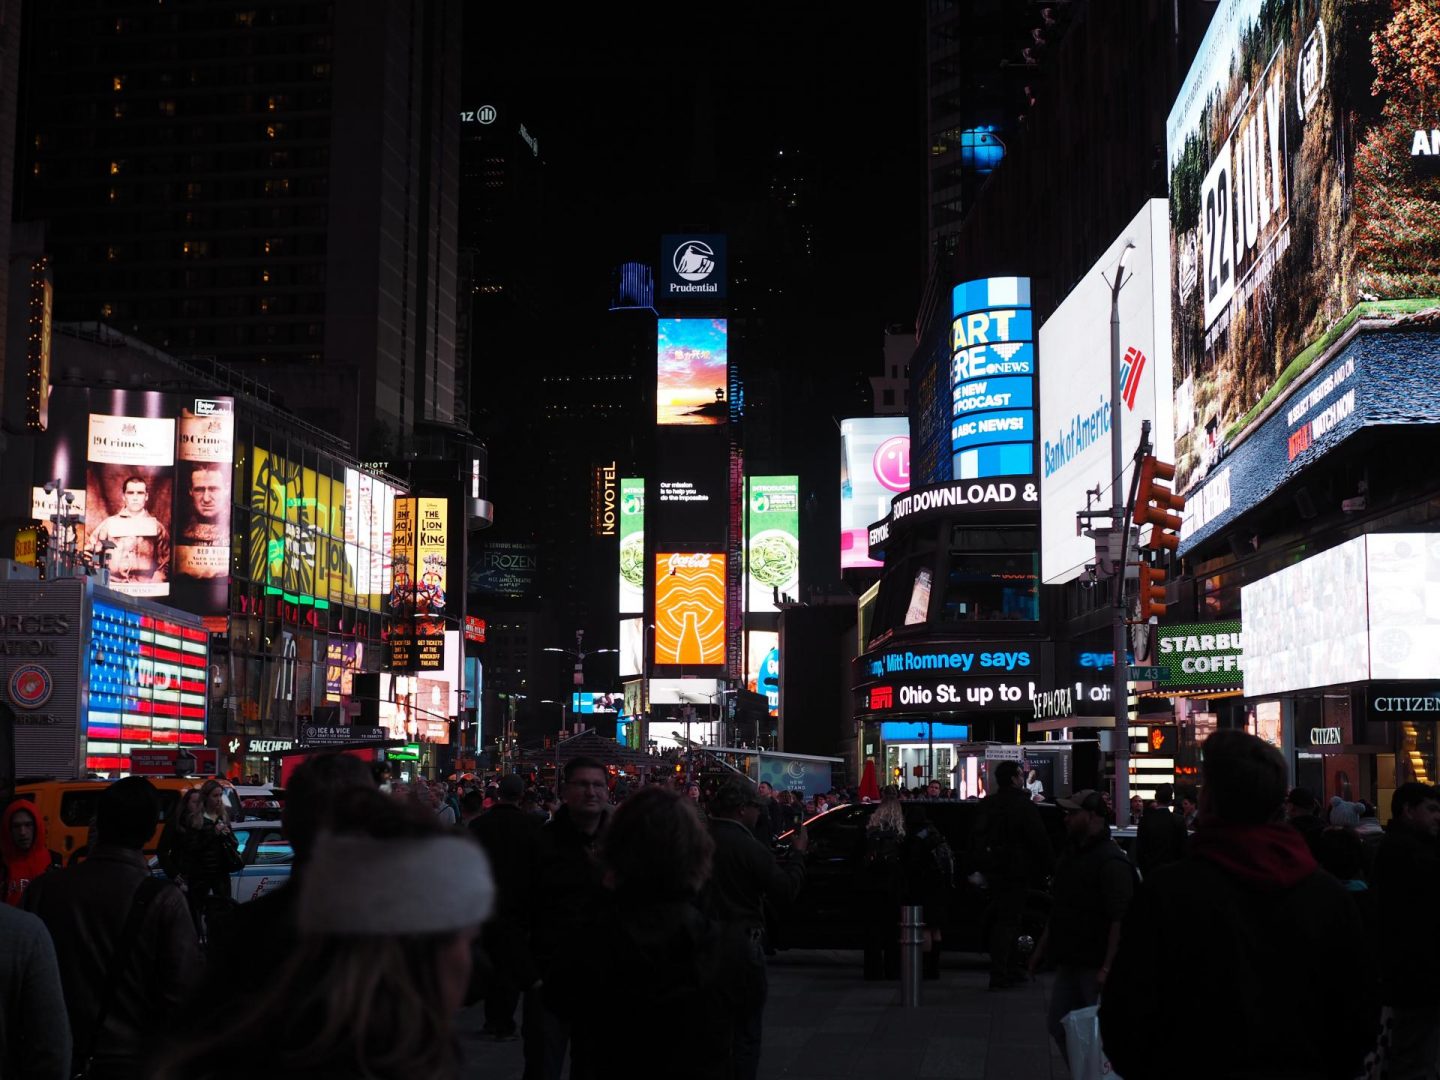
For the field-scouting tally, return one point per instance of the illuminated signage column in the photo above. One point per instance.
(992, 379)
(632, 575)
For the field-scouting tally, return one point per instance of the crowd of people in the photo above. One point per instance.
(406, 901)
(566, 914)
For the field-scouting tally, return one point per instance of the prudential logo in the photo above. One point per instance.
(694, 260)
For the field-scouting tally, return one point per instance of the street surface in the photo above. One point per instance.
(823, 1022)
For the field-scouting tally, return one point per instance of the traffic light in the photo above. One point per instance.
(1152, 592)
(1158, 506)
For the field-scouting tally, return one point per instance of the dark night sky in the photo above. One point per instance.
(628, 105)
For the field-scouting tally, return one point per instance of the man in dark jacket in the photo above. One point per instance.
(86, 908)
(566, 888)
(1259, 930)
(1407, 878)
(1302, 812)
(745, 874)
(1161, 837)
(1091, 890)
(1014, 853)
(508, 836)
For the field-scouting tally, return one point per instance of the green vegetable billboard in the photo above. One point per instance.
(632, 545)
(772, 540)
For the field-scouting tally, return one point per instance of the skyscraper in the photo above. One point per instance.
(271, 185)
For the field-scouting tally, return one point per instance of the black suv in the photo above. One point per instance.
(828, 915)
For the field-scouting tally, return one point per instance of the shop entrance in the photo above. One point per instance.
(913, 761)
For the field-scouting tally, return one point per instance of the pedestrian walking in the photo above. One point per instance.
(1012, 851)
(34, 1032)
(387, 912)
(746, 875)
(566, 889)
(508, 835)
(929, 881)
(124, 939)
(1091, 890)
(1407, 881)
(1161, 837)
(1261, 932)
(24, 849)
(206, 854)
(661, 954)
(882, 884)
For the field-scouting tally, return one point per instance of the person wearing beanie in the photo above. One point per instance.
(1261, 931)
(1344, 814)
(388, 910)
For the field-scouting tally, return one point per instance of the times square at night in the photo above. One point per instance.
(756, 542)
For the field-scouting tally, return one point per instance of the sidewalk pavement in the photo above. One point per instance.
(823, 1022)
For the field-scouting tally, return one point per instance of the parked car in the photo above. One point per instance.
(267, 856)
(827, 914)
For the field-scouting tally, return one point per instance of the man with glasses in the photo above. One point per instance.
(1091, 890)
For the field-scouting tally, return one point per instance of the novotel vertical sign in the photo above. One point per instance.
(992, 379)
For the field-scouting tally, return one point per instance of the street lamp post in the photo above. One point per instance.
(579, 654)
(1119, 679)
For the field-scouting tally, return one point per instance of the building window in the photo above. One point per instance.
(167, 107)
(888, 397)
(118, 83)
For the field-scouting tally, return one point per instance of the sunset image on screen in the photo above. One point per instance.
(692, 372)
(689, 609)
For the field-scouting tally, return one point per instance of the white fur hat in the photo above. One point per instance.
(364, 886)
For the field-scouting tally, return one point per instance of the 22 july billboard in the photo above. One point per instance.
(1295, 202)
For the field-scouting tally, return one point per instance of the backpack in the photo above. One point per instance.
(882, 849)
(938, 858)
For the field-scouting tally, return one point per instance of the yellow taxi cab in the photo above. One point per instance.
(68, 807)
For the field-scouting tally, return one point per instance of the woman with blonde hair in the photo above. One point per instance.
(387, 915)
(881, 884)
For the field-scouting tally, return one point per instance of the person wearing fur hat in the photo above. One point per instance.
(389, 908)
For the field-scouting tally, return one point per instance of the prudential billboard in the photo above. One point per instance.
(1075, 387)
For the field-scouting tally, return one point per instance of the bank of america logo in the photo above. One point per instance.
(694, 260)
(1130, 369)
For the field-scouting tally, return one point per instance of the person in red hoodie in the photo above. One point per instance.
(1257, 931)
(22, 845)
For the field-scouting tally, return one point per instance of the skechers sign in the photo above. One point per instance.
(992, 379)
(937, 500)
(1201, 656)
(692, 267)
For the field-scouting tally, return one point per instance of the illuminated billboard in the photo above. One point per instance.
(874, 467)
(1298, 204)
(632, 546)
(992, 378)
(632, 646)
(369, 519)
(148, 479)
(692, 372)
(297, 532)
(690, 495)
(1075, 387)
(692, 266)
(690, 608)
(503, 568)
(772, 540)
(762, 666)
(419, 583)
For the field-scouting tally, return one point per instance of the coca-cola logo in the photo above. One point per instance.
(690, 562)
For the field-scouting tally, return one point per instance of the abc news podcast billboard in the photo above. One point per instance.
(149, 480)
(1075, 387)
(1299, 193)
(992, 379)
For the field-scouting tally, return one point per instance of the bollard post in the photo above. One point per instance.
(912, 938)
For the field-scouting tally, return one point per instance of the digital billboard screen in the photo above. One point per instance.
(148, 477)
(1296, 202)
(772, 540)
(874, 468)
(690, 502)
(1075, 387)
(992, 378)
(369, 535)
(690, 608)
(504, 568)
(762, 666)
(692, 372)
(632, 646)
(297, 532)
(632, 546)
(419, 583)
(1305, 626)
